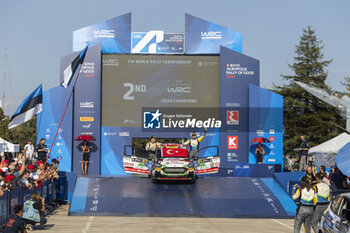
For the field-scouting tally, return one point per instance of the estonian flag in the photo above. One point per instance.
(72, 67)
(28, 108)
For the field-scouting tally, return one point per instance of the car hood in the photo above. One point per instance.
(174, 162)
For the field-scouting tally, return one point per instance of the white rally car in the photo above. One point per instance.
(173, 163)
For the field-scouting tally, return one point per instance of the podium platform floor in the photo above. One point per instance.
(224, 197)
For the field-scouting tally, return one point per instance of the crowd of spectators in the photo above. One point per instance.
(27, 169)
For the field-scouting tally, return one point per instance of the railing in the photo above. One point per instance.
(51, 191)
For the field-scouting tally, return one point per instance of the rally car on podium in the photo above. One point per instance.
(172, 162)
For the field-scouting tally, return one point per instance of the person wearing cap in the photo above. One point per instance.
(29, 150)
(151, 148)
(4, 165)
(323, 197)
(42, 149)
(194, 144)
(306, 195)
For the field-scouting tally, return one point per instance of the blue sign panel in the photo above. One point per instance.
(86, 107)
(237, 71)
(266, 120)
(87, 98)
(157, 42)
(205, 37)
(113, 35)
(54, 103)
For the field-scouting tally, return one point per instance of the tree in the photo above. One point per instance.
(19, 134)
(23, 132)
(303, 113)
(346, 83)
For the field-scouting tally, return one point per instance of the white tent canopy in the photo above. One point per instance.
(6, 146)
(325, 153)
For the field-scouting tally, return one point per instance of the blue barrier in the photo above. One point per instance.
(51, 191)
(285, 179)
(4, 208)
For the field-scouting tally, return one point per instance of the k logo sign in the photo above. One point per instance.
(151, 120)
(232, 142)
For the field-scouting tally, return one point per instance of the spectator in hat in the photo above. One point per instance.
(29, 150)
(42, 150)
(4, 165)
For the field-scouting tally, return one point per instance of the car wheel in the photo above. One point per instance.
(193, 181)
(153, 180)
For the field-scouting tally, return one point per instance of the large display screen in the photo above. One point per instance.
(131, 82)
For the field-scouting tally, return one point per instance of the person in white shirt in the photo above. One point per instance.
(29, 149)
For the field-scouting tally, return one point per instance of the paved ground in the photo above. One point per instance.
(60, 222)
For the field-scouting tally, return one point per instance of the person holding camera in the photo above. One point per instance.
(42, 150)
(33, 211)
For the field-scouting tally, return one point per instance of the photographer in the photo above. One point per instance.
(42, 150)
(33, 211)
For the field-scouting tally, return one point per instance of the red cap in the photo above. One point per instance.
(9, 178)
(30, 166)
(39, 162)
(39, 184)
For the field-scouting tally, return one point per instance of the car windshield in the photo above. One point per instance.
(345, 209)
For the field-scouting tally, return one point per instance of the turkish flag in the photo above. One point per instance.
(174, 152)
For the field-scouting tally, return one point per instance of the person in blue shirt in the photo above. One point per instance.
(15, 223)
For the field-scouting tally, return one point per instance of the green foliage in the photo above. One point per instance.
(346, 83)
(303, 113)
(19, 134)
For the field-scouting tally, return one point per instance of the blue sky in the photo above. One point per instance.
(37, 33)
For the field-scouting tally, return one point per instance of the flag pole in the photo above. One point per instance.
(64, 113)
